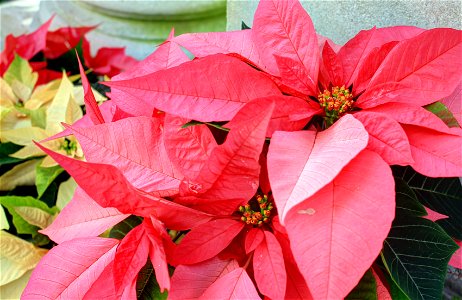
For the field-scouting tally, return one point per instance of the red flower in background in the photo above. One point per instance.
(53, 44)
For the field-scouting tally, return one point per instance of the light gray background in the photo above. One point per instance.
(341, 20)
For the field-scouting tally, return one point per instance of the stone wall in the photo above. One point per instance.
(341, 20)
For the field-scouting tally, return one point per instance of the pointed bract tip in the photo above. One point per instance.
(172, 34)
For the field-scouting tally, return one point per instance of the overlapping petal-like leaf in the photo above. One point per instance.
(160, 240)
(386, 137)
(232, 172)
(113, 190)
(435, 154)
(206, 89)
(269, 268)
(91, 105)
(166, 56)
(69, 270)
(301, 163)
(82, 217)
(130, 257)
(234, 285)
(135, 146)
(207, 240)
(355, 51)
(191, 281)
(283, 28)
(427, 66)
(208, 43)
(337, 233)
(253, 238)
(413, 115)
(188, 148)
(454, 102)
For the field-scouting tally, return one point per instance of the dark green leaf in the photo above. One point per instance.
(5, 150)
(395, 292)
(406, 200)
(50, 194)
(68, 61)
(45, 176)
(416, 253)
(442, 112)
(120, 230)
(443, 195)
(192, 123)
(244, 26)
(39, 239)
(147, 286)
(10, 202)
(366, 288)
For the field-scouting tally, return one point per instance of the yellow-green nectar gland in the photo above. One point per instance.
(336, 103)
(69, 146)
(259, 217)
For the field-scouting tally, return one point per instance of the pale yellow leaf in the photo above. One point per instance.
(21, 72)
(17, 257)
(43, 94)
(75, 77)
(34, 216)
(74, 112)
(21, 174)
(24, 136)
(49, 162)
(14, 119)
(32, 150)
(14, 289)
(21, 90)
(65, 193)
(3, 221)
(79, 95)
(7, 97)
(58, 109)
(4, 111)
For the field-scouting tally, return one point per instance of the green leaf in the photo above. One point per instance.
(395, 292)
(39, 239)
(3, 220)
(22, 174)
(147, 287)
(244, 26)
(416, 253)
(366, 288)
(440, 110)
(65, 193)
(22, 226)
(406, 200)
(45, 176)
(38, 117)
(192, 123)
(5, 150)
(443, 195)
(120, 230)
(21, 77)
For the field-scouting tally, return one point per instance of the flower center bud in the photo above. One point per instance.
(70, 146)
(257, 211)
(336, 103)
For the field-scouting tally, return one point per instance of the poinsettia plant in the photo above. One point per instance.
(274, 164)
